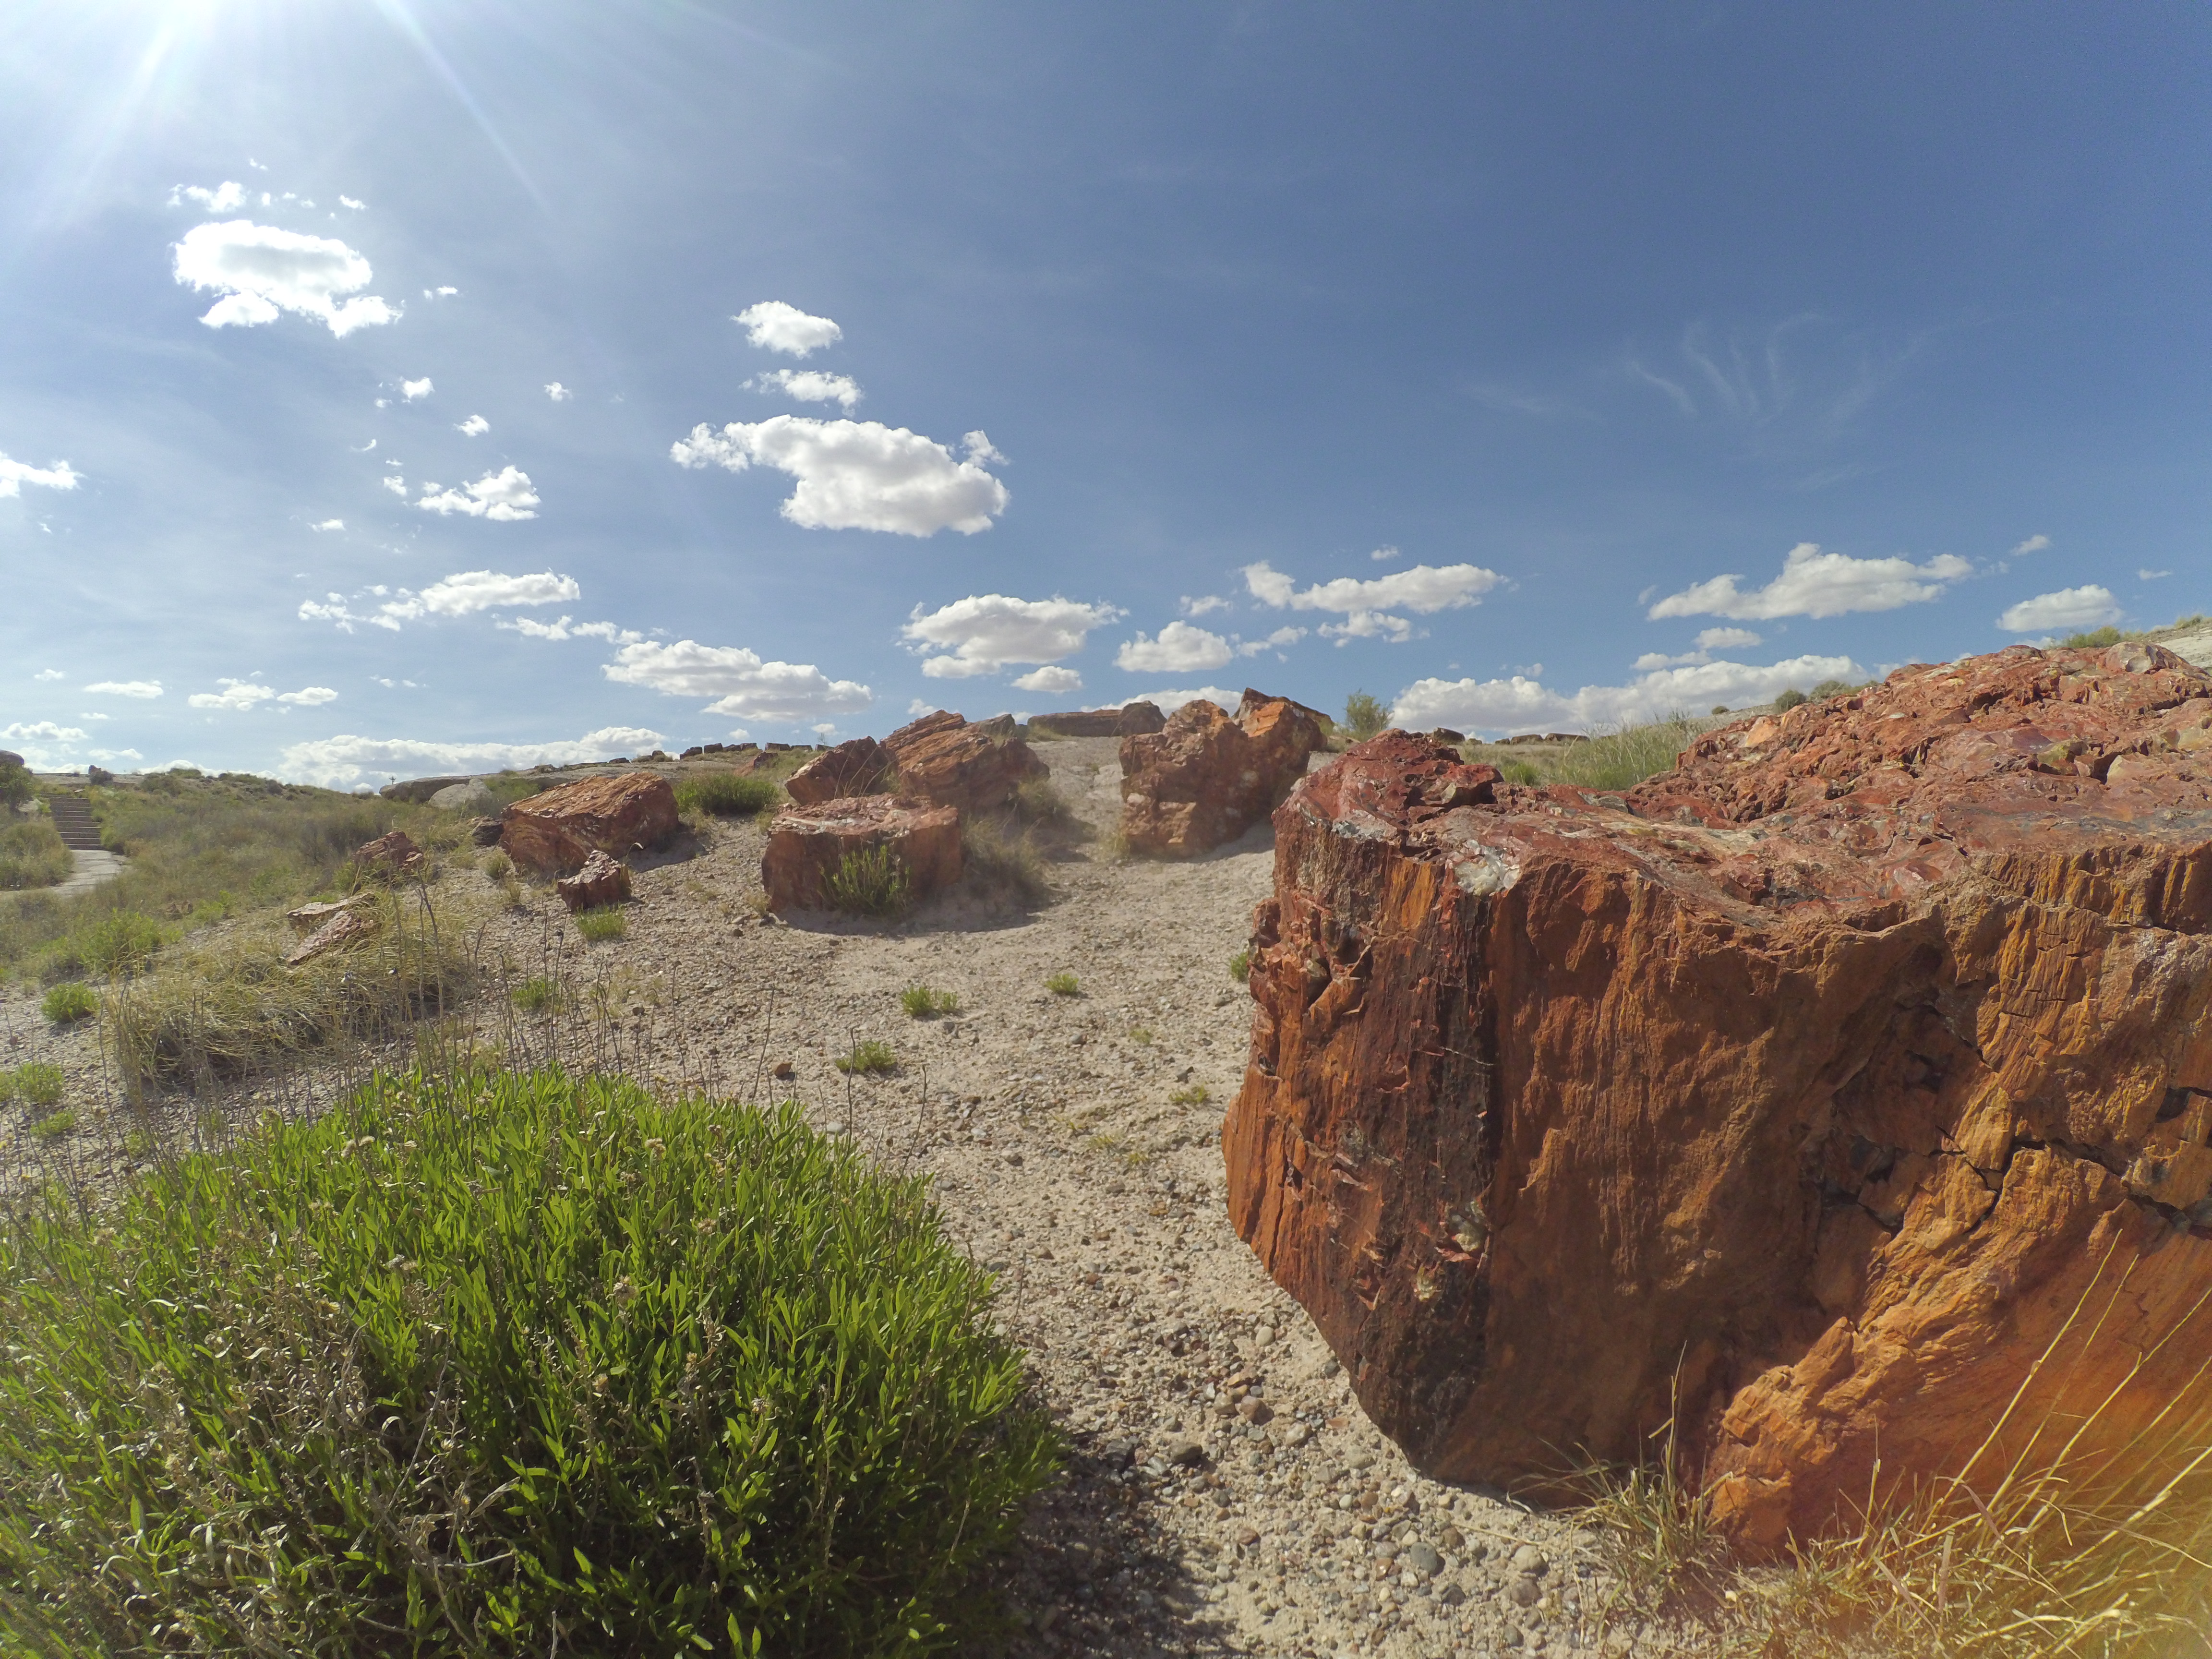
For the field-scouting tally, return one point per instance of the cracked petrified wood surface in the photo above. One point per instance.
(1801, 1096)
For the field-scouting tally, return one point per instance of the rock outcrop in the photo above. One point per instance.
(1206, 777)
(977, 766)
(806, 844)
(392, 853)
(600, 882)
(1131, 720)
(861, 767)
(1820, 1096)
(312, 918)
(348, 927)
(553, 833)
(418, 790)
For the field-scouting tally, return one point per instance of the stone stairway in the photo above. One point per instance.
(72, 817)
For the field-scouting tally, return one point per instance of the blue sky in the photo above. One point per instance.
(1529, 366)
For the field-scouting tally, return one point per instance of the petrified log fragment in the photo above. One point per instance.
(553, 833)
(806, 844)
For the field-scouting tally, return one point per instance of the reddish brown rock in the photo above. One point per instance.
(553, 833)
(395, 853)
(600, 882)
(1129, 721)
(347, 928)
(862, 767)
(312, 918)
(976, 766)
(806, 843)
(1205, 778)
(1803, 1096)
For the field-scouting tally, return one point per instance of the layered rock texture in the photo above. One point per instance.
(394, 853)
(601, 881)
(1206, 777)
(808, 842)
(553, 833)
(1130, 719)
(976, 766)
(861, 767)
(1843, 1097)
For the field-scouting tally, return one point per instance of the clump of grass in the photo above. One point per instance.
(1037, 800)
(48, 1128)
(1521, 772)
(35, 1083)
(1194, 1094)
(31, 852)
(537, 995)
(866, 1058)
(1142, 1036)
(725, 794)
(1063, 985)
(1623, 757)
(113, 943)
(1365, 716)
(67, 1004)
(869, 881)
(601, 923)
(498, 1364)
(1240, 965)
(2095, 637)
(497, 865)
(926, 1002)
(1000, 859)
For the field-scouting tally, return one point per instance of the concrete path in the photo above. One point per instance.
(92, 869)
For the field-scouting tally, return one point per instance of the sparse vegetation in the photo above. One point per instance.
(1790, 698)
(601, 923)
(1141, 1035)
(497, 1365)
(1833, 689)
(537, 995)
(2094, 638)
(1063, 985)
(999, 858)
(50, 1128)
(926, 1002)
(1037, 800)
(1623, 757)
(1240, 965)
(867, 1058)
(1193, 1094)
(1720, 708)
(35, 1083)
(1365, 716)
(1521, 772)
(725, 794)
(871, 881)
(16, 784)
(497, 865)
(31, 852)
(67, 1004)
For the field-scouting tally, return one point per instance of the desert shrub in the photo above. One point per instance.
(36, 1082)
(16, 784)
(537, 995)
(505, 1365)
(867, 1058)
(1720, 708)
(1063, 985)
(1521, 772)
(869, 881)
(1194, 1094)
(998, 858)
(1790, 698)
(32, 854)
(1622, 758)
(1240, 965)
(725, 794)
(601, 923)
(926, 1002)
(1038, 800)
(1365, 716)
(2094, 638)
(116, 942)
(497, 865)
(50, 1128)
(67, 1004)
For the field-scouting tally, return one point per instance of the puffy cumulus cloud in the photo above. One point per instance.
(986, 632)
(1168, 701)
(2090, 606)
(776, 326)
(475, 427)
(348, 201)
(1281, 639)
(505, 496)
(413, 391)
(557, 392)
(1181, 648)
(1384, 555)
(49, 674)
(235, 695)
(568, 628)
(41, 732)
(2033, 544)
(1817, 584)
(308, 697)
(1726, 639)
(223, 198)
(395, 483)
(810, 385)
(739, 682)
(14, 475)
(1053, 681)
(104, 755)
(1521, 704)
(859, 475)
(140, 689)
(486, 590)
(1368, 607)
(328, 524)
(341, 762)
(261, 270)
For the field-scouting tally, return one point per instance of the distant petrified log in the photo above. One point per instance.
(861, 767)
(601, 881)
(312, 918)
(418, 790)
(1130, 719)
(347, 928)
(396, 854)
(807, 843)
(553, 833)
(1205, 778)
(977, 766)
(1803, 1099)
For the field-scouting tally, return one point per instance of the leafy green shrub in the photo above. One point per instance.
(48, 1128)
(602, 923)
(67, 1004)
(537, 995)
(16, 784)
(725, 794)
(503, 1365)
(497, 865)
(37, 1083)
(867, 1058)
(1240, 965)
(1623, 758)
(1790, 699)
(869, 881)
(1720, 708)
(1832, 688)
(31, 853)
(1194, 1094)
(1063, 985)
(1365, 716)
(926, 1002)
(2094, 638)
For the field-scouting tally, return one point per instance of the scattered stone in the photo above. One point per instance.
(347, 927)
(395, 853)
(600, 882)
(1422, 1558)
(309, 918)
(618, 814)
(484, 832)
(1186, 1454)
(1206, 777)
(805, 845)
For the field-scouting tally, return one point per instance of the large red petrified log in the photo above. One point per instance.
(977, 766)
(555, 832)
(1207, 776)
(1803, 1095)
(806, 843)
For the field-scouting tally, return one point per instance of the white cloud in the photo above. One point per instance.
(48, 674)
(1817, 584)
(440, 292)
(142, 689)
(468, 590)
(93, 716)
(738, 681)
(568, 628)
(328, 524)
(1281, 639)
(1200, 607)
(348, 202)
(1168, 701)
(1425, 588)
(2091, 606)
(309, 696)
(235, 694)
(1053, 681)
(14, 475)
(557, 392)
(1179, 649)
(475, 427)
(1384, 555)
(1726, 639)
(985, 632)
(858, 474)
(221, 200)
(332, 608)
(41, 730)
(504, 496)
(395, 483)
(810, 385)
(2032, 544)
(2145, 574)
(337, 763)
(115, 754)
(779, 327)
(262, 270)
(1521, 704)
(411, 390)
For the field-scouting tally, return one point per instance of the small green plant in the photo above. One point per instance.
(537, 995)
(1521, 772)
(2095, 637)
(38, 1083)
(67, 1004)
(46, 1128)
(1833, 689)
(16, 784)
(1365, 716)
(869, 881)
(1240, 965)
(867, 1058)
(118, 943)
(1790, 699)
(926, 1002)
(30, 852)
(1063, 985)
(725, 794)
(1194, 1094)
(1141, 1035)
(602, 923)
(497, 865)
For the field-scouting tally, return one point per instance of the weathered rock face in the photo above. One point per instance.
(1802, 1094)
(554, 833)
(348, 927)
(1205, 778)
(1131, 720)
(418, 790)
(312, 918)
(862, 767)
(976, 766)
(394, 853)
(806, 843)
(601, 881)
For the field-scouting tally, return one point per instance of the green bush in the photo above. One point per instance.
(1365, 716)
(1240, 965)
(1063, 985)
(16, 784)
(67, 1004)
(49, 1128)
(115, 942)
(503, 1365)
(1832, 688)
(1790, 699)
(1623, 758)
(2095, 638)
(36, 1082)
(867, 1058)
(1521, 772)
(725, 794)
(31, 853)
(869, 881)
(537, 995)
(926, 1002)
(602, 923)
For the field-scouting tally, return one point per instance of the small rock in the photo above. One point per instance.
(1529, 1560)
(1422, 1558)
(784, 1070)
(1452, 1594)
(1186, 1454)
(1454, 1540)
(1252, 1409)
(1248, 1536)
(1523, 1592)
